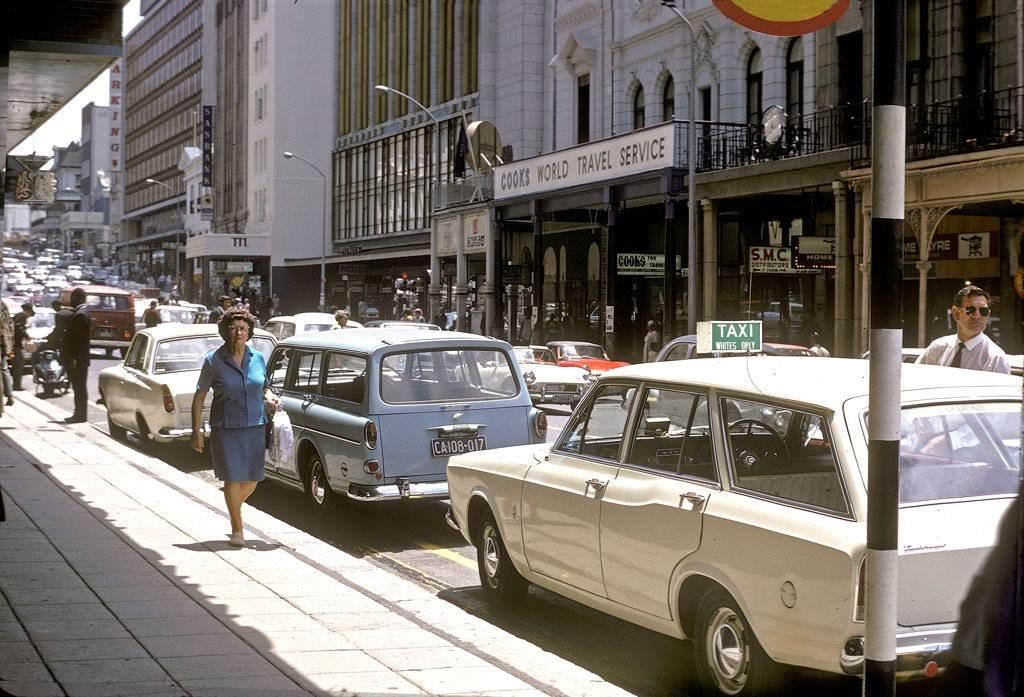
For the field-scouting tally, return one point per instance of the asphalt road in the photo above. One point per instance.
(412, 539)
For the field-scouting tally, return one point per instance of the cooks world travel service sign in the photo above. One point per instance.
(640, 151)
(783, 17)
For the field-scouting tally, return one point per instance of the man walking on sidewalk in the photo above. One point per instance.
(969, 347)
(20, 327)
(76, 354)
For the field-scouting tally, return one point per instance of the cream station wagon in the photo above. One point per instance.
(376, 413)
(725, 501)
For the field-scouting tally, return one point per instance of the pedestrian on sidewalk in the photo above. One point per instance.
(151, 316)
(969, 347)
(6, 353)
(20, 327)
(238, 377)
(77, 335)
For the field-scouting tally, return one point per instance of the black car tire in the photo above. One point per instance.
(730, 660)
(318, 488)
(500, 580)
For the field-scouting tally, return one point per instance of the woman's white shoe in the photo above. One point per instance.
(237, 539)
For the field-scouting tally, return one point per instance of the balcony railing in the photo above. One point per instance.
(964, 124)
(725, 145)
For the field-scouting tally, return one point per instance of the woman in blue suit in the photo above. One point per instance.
(238, 377)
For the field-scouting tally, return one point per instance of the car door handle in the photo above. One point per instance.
(693, 497)
(598, 484)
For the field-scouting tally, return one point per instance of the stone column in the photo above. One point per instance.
(856, 346)
(671, 280)
(923, 267)
(537, 312)
(373, 77)
(709, 264)
(461, 282)
(490, 289)
(609, 273)
(434, 289)
(435, 52)
(844, 320)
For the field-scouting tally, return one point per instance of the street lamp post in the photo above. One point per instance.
(691, 179)
(323, 233)
(435, 261)
(177, 235)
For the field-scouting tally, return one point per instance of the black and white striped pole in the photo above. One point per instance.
(888, 165)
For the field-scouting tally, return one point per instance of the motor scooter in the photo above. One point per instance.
(49, 374)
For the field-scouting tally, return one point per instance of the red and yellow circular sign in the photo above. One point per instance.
(783, 17)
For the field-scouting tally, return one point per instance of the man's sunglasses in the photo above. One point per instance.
(971, 309)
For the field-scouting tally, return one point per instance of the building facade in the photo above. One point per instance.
(98, 133)
(390, 158)
(591, 233)
(162, 99)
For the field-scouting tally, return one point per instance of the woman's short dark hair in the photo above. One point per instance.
(229, 318)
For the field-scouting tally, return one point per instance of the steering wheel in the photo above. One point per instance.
(749, 460)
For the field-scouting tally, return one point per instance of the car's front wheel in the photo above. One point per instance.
(498, 577)
(321, 495)
(730, 660)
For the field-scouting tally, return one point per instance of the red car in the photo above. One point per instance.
(582, 354)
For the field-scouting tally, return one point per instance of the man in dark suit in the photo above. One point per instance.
(76, 354)
(20, 327)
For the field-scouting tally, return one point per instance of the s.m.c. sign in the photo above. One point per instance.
(783, 17)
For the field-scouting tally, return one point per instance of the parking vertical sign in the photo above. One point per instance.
(729, 337)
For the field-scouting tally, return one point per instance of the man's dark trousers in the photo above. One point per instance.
(18, 365)
(79, 374)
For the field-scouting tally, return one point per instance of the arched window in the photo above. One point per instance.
(795, 79)
(668, 100)
(754, 87)
(638, 108)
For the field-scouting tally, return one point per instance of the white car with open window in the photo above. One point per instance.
(725, 500)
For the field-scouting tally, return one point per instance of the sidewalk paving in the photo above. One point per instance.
(116, 579)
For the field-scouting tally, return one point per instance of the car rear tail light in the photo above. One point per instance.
(371, 466)
(168, 400)
(858, 613)
(370, 435)
(540, 426)
(127, 334)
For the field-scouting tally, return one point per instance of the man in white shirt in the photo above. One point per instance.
(969, 347)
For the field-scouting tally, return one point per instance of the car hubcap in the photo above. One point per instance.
(316, 484)
(727, 651)
(490, 553)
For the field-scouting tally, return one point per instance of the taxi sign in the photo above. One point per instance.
(783, 17)
(729, 337)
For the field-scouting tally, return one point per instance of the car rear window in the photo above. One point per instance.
(108, 302)
(173, 355)
(444, 375)
(952, 451)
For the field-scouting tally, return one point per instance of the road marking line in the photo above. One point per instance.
(448, 554)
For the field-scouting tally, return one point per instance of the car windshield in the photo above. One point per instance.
(109, 302)
(952, 451)
(42, 320)
(526, 355)
(174, 355)
(582, 351)
(310, 328)
(184, 315)
(444, 375)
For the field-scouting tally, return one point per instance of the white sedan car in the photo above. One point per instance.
(725, 501)
(284, 326)
(548, 382)
(150, 392)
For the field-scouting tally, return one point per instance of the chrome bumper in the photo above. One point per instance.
(919, 654)
(402, 489)
(110, 343)
(170, 435)
(450, 519)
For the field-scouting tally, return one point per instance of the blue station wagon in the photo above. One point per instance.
(376, 413)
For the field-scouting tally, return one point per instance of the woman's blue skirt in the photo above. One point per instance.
(237, 453)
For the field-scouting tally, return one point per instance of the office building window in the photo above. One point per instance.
(668, 100)
(583, 109)
(795, 79)
(638, 108)
(754, 73)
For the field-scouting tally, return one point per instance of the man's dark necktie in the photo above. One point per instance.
(956, 357)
